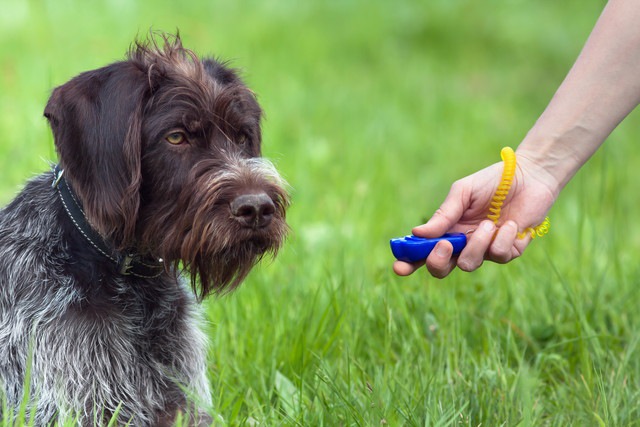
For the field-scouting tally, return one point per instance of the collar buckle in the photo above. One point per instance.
(57, 176)
(125, 264)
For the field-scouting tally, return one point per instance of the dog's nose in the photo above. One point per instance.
(253, 210)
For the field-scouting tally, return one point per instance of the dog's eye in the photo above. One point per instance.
(176, 138)
(242, 140)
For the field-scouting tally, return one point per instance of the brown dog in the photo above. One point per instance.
(160, 173)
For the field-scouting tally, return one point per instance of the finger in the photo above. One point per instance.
(521, 244)
(402, 268)
(446, 216)
(473, 254)
(502, 249)
(439, 262)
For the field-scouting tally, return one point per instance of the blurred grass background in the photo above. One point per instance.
(373, 108)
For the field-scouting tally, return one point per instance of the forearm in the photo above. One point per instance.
(600, 90)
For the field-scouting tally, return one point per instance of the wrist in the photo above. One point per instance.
(552, 165)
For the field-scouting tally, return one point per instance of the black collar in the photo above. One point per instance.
(128, 263)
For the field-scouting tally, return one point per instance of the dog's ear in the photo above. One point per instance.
(96, 119)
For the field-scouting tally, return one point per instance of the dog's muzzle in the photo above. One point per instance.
(253, 210)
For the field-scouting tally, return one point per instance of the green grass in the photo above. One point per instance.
(373, 108)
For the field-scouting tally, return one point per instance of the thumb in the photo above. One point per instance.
(445, 217)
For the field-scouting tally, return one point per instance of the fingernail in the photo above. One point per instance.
(441, 251)
(488, 226)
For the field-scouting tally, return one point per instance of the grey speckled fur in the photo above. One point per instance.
(80, 358)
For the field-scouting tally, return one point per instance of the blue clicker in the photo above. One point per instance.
(412, 248)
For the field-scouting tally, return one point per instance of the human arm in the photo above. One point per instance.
(602, 87)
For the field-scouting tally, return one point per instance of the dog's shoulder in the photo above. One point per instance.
(33, 202)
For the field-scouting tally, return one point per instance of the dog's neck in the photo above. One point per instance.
(128, 263)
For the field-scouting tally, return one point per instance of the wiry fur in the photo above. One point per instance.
(87, 341)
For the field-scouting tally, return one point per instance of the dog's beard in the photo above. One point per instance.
(225, 269)
(202, 238)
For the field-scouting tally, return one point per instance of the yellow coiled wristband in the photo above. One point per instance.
(509, 159)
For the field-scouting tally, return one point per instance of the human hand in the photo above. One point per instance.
(533, 192)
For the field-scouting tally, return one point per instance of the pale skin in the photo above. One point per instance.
(601, 89)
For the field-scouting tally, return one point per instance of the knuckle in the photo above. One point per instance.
(468, 265)
(500, 254)
(440, 213)
(439, 271)
(457, 185)
(438, 274)
(502, 259)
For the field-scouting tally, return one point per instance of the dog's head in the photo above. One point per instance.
(163, 151)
